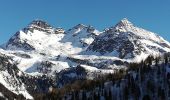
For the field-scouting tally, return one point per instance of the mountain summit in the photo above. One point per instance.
(39, 23)
(124, 22)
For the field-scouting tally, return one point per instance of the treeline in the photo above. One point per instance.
(72, 91)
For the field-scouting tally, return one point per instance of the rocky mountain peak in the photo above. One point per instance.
(124, 22)
(39, 23)
(79, 26)
(122, 26)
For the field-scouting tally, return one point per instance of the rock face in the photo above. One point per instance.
(11, 80)
(17, 42)
(127, 41)
(40, 25)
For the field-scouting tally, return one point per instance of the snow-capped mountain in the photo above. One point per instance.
(42, 51)
(128, 41)
(35, 36)
(41, 43)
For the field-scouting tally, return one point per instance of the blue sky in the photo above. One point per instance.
(153, 15)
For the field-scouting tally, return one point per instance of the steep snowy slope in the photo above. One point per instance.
(127, 41)
(9, 77)
(43, 38)
(81, 36)
(37, 36)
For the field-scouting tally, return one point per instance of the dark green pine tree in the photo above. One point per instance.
(84, 97)
(110, 94)
(166, 58)
(146, 97)
(125, 93)
(163, 94)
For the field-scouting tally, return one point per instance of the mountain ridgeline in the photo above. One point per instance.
(123, 62)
